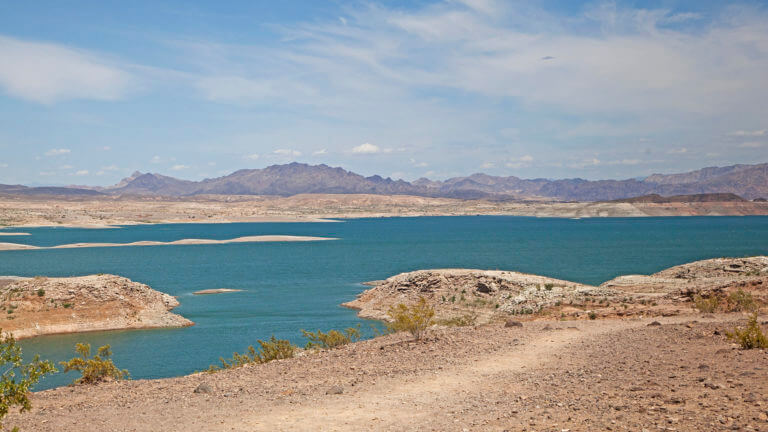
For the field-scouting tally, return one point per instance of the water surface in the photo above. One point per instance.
(289, 286)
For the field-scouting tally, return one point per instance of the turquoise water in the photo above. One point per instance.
(290, 286)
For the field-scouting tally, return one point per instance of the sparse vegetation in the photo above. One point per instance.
(40, 292)
(94, 369)
(549, 286)
(592, 315)
(706, 304)
(459, 321)
(332, 339)
(273, 349)
(741, 300)
(18, 376)
(751, 336)
(414, 319)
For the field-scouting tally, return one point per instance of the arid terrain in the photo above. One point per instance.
(19, 211)
(665, 366)
(545, 376)
(41, 305)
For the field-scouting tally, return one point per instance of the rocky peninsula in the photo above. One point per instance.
(485, 295)
(39, 306)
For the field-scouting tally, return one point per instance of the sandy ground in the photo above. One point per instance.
(248, 239)
(545, 376)
(109, 211)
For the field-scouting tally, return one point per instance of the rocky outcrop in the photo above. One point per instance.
(39, 306)
(707, 277)
(484, 294)
(490, 295)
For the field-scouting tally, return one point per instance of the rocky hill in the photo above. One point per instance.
(39, 306)
(748, 181)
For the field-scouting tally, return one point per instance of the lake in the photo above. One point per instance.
(292, 286)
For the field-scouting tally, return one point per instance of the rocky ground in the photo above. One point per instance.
(40, 305)
(105, 211)
(552, 375)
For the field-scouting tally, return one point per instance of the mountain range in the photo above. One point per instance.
(747, 181)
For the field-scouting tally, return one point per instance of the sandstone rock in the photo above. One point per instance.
(654, 324)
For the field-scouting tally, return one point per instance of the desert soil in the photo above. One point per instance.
(108, 211)
(549, 375)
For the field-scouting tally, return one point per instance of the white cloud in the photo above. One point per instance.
(46, 173)
(519, 162)
(287, 152)
(179, 167)
(48, 73)
(81, 173)
(487, 165)
(320, 152)
(155, 160)
(755, 133)
(751, 144)
(418, 164)
(106, 148)
(57, 152)
(65, 167)
(366, 148)
(3, 165)
(253, 156)
(110, 168)
(680, 150)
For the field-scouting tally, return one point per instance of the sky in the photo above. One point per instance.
(91, 91)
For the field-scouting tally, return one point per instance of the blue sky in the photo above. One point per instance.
(91, 91)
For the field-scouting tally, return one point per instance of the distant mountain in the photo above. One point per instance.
(748, 181)
(46, 190)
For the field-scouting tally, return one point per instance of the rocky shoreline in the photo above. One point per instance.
(41, 306)
(486, 295)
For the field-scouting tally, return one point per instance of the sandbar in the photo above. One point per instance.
(247, 239)
(215, 291)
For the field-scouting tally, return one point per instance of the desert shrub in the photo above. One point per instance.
(549, 286)
(332, 339)
(459, 321)
(94, 369)
(741, 300)
(40, 292)
(18, 376)
(706, 304)
(414, 319)
(273, 349)
(751, 336)
(592, 315)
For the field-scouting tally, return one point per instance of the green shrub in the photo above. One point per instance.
(741, 300)
(549, 286)
(415, 319)
(706, 304)
(273, 349)
(751, 336)
(592, 315)
(40, 292)
(18, 377)
(332, 339)
(94, 369)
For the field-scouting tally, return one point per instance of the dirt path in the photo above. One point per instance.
(547, 375)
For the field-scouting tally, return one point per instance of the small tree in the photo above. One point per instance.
(96, 369)
(415, 319)
(18, 377)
